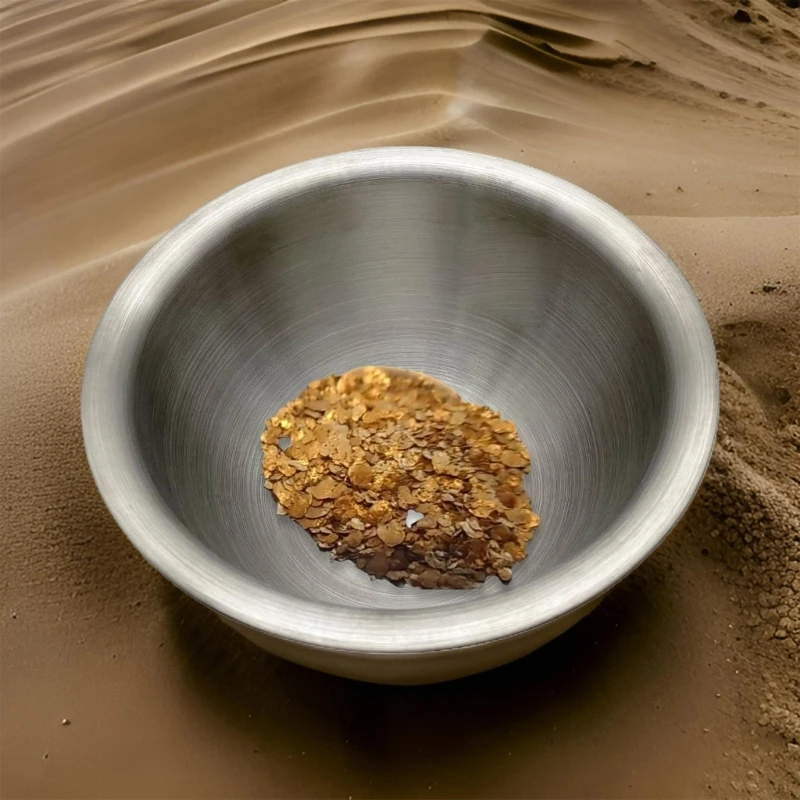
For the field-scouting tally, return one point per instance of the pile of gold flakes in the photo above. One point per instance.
(393, 470)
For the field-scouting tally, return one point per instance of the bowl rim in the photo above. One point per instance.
(665, 493)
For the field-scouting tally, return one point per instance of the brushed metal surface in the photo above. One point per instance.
(518, 289)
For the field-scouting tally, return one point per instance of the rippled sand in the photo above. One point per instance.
(118, 118)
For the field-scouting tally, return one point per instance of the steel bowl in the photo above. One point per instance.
(518, 289)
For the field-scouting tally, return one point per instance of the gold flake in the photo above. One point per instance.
(514, 459)
(440, 461)
(326, 488)
(391, 534)
(360, 474)
(317, 513)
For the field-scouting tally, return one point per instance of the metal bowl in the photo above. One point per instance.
(518, 289)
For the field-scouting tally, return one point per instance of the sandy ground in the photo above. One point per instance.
(120, 117)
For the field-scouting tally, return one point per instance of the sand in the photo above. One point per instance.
(119, 118)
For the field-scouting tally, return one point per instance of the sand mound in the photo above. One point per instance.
(118, 119)
(751, 497)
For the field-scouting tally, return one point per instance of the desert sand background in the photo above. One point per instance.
(119, 117)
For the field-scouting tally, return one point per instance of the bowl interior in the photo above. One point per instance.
(514, 305)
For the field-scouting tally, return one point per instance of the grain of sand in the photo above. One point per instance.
(119, 118)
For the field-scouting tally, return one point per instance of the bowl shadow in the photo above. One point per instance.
(396, 741)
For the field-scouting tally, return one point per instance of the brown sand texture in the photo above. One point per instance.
(119, 117)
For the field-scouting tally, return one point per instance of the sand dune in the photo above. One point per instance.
(120, 118)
